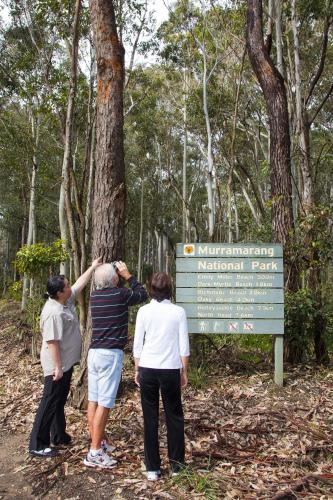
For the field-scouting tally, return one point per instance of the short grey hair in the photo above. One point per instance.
(105, 277)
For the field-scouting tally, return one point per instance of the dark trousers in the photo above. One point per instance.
(152, 381)
(50, 423)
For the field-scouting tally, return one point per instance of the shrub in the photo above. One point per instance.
(15, 290)
(34, 259)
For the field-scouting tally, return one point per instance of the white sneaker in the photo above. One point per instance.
(101, 459)
(45, 453)
(153, 475)
(106, 447)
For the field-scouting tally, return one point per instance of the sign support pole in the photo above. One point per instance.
(278, 360)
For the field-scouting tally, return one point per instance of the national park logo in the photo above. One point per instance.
(189, 250)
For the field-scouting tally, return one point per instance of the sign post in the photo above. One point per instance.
(233, 289)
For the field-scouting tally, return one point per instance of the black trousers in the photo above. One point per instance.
(50, 424)
(152, 381)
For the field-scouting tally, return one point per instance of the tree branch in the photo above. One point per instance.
(321, 105)
(320, 69)
(135, 45)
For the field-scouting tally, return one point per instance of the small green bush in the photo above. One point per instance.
(34, 259)
(299, 316)
(197, 376)
(15, 290)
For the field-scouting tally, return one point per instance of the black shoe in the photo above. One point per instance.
(65, 441)
(45, 453)
(176, 468)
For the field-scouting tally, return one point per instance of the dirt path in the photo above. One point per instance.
(12, 463)
(245, 438)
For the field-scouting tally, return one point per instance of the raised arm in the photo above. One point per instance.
(85, 277)
(137, 293)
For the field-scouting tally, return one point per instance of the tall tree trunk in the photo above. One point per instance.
(91, 106)
(278, 37)
(273, 88)
(67, 159)
(167, 258)
(5, 262)
(232, 153)
(64, 267)
(210, 160)
(302, 126)
(139, 268)
(89, 198)
(185, 225)
(272, 85)
(159, 250)
(89, 168)
(67, 166)
(110, 193)
(31, 238)
(255, 214)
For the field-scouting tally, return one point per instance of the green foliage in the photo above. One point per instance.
(35, 46)
(299, 315)
(33, 310)
(197, 376)
(197, 482)
(15, 290)
(33, 259)
(314, 9)
(309, 311)
(327, 310)
(258, 342)
(147, 271)
(316, 255)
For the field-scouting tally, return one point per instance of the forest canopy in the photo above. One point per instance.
(199, 140)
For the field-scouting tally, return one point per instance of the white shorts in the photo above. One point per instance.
(104, 374)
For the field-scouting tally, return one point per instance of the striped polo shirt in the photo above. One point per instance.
(109, 314)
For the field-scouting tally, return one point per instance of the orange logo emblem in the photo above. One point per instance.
(188, 249)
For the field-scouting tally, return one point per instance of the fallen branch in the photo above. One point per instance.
(302, 484)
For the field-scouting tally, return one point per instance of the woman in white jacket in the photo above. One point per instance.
(161, 352)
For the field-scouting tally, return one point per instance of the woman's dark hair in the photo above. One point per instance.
(54, 285)
(160, 287)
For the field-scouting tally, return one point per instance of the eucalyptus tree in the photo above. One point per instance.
(191, 42)
(303, 48)
(306, 102)
(108, 214)
(274, 91)
(30, 51)
(151, 138)
(65, 191)
(207, 40)
(311, 90)
(16, 144)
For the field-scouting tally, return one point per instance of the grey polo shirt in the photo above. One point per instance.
(60, 322)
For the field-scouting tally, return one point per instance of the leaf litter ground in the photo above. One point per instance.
(245, 437)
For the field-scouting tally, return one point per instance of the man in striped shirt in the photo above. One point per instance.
(109, 314)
